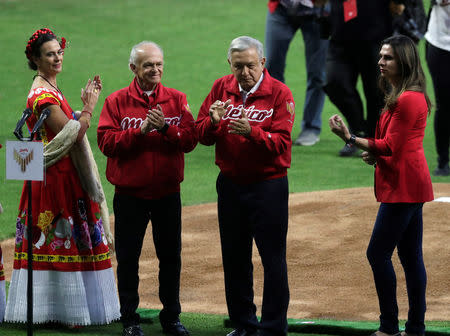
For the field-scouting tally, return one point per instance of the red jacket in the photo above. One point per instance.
(402, 174)
(148, 166)
(273, 4)
(266, 153)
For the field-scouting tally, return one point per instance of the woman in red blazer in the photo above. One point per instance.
(402, 183)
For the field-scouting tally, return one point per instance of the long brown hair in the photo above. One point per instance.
(411, 75)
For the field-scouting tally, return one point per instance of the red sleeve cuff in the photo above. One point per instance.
(273, 4)
(171, 132)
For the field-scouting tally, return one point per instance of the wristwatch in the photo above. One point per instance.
(352, 140)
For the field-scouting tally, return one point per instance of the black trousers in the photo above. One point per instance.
(345, 62)
(131, 219)
(399, 225)
(438, 61)
(258, 211)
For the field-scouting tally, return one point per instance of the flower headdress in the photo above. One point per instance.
(35, 36)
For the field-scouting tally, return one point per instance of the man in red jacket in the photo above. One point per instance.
(249, 115)
(144, 130)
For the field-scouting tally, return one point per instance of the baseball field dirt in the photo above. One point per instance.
(329, 275)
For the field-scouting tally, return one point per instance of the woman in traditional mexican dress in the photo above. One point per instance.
(73, 282)
(2, 284)
(2, 279)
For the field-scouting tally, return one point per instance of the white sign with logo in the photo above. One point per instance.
(24, 160)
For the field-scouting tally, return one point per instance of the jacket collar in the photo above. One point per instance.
(265, 88)
(161, 93)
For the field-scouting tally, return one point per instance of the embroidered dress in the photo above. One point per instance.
(73, 281)
(2, 288)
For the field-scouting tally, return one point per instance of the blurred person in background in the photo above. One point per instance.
(438, 60)
(356, 28)
(284, 19)
(402, 183)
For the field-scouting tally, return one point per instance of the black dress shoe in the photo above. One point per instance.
(442, 171)
(134, 330)
(349, 150)
(242, 332)
(175, 328)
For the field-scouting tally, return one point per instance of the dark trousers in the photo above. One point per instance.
(399, 225)
(345, 62)
(280, 31)
(131, 219)
(438, 62)
(257, 211)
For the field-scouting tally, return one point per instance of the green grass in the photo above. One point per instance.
(197, 324)
(204, 326)
(214, 325)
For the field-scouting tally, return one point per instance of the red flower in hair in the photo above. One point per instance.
(63, 43)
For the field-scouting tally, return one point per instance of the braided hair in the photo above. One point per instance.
(35, 42)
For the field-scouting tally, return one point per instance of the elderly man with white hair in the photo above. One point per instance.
(144, 130)
(248, 116)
